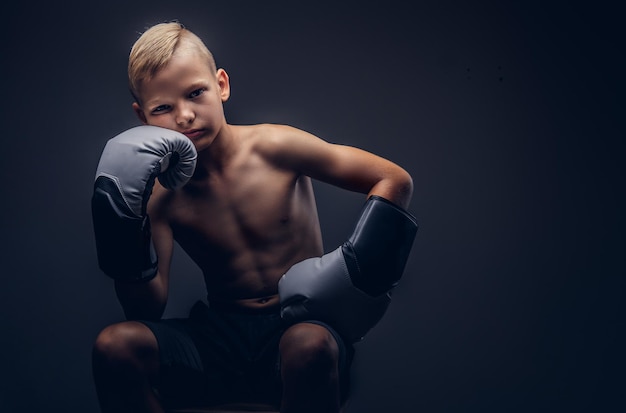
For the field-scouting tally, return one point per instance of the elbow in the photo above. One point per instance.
(133, 315)
(148, 311)
(407, 186)
(396, 187)
(402, 188)
(144, 301)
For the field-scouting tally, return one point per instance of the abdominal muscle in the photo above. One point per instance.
(250, 280)
(244, 248)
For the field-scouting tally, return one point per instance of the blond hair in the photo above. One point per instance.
(154, 49)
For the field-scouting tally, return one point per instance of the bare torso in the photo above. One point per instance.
(244, 223)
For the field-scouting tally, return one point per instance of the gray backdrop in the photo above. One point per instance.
(510, 119)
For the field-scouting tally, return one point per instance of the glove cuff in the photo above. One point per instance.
(123, 241)
(378, 249)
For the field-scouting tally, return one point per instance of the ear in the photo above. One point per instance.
(139, 113)
(223, 83)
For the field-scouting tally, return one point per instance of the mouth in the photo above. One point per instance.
(193, 133)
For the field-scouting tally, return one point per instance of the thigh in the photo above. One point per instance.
(196, 367)
(345, 357)
(214, 357)
(181, 381)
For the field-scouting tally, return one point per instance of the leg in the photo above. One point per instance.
(125, 363)
(309, 370)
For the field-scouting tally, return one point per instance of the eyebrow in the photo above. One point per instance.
(198, 84)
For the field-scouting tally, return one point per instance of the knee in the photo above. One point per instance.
(309, 347)
(124, 344)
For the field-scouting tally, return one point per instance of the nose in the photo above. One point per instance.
(185, 115)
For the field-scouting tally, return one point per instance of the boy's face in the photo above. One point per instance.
(186, 96)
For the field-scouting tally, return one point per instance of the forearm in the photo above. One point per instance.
(143, 300)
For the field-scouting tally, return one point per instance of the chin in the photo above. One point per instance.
(201, 144)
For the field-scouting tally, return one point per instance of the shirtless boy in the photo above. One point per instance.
(245, 212)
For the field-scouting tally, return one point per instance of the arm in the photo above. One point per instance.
(343, 166)
(124, 225)
(148, 300)
(349, 287)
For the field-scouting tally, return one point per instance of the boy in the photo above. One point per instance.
(245, 217)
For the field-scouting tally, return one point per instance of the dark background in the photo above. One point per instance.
(510, 119)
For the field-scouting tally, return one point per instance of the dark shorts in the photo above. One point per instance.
(216, 357)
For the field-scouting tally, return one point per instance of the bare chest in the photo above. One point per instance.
(247, 209)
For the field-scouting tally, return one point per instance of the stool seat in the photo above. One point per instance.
(236, 408)
(231, 408)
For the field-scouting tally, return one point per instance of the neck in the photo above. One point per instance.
(217, 154)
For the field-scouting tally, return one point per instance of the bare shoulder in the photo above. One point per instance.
(270, 137)
(340, 165)
(282, 144)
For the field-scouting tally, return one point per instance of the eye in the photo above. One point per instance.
(160, 109)
(196, 93)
